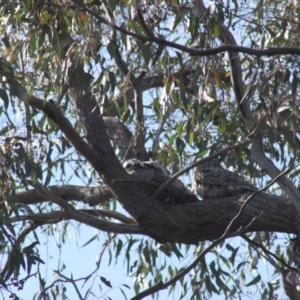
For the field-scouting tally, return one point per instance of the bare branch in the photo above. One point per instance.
(43, 218)
(54, 113)
(117, 55)
(108, 214)
(86, 218)
(57, 216)
(89, 195)
(72, 281)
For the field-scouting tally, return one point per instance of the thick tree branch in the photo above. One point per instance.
(90, 195)
(54, 113)
(235, 219)
(188, 223)
(87, 218)
(103, 159)
(58, 216)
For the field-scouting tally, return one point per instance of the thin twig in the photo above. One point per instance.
(85, 279)
(72, 281)
(255, 244)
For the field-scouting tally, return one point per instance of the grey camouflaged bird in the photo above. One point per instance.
(149, 175)
(211, 180)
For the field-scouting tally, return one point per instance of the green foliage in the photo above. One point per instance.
(191, 96)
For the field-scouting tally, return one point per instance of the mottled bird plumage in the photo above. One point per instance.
(153, 173)
(211, 180)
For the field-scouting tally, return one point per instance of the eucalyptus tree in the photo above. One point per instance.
(87, 85)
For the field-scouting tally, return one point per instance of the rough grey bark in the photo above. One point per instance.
(90, 195)
(207, 220)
